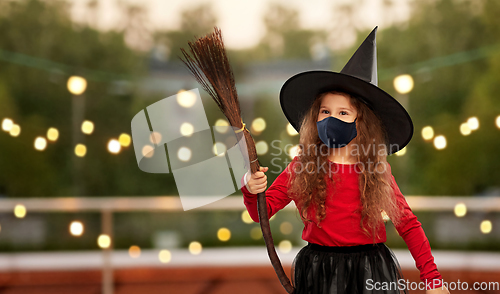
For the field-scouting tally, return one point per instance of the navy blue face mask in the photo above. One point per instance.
(336, 133)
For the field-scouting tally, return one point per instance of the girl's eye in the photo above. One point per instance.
(325, 111)
(343, 113)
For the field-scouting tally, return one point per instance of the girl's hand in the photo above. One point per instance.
(257, 182)
(438, 290)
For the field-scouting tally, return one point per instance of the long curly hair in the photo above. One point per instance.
(308, 185)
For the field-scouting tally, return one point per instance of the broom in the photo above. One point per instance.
(210, 66)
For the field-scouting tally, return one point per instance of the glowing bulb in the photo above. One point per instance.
(114, 146)
(40, 143)
(52, 134)
(460, 209)
(285, 246)
(224, 234)
(7, 124)
(87, 127)
(255, 233)
(473, 123)
(486, 227)
(124, 140)
(80, 150)
(497, 121)
(155, 138)
(77, 85)
(465, 129)
(104, 241)
(165, 256)
(76, 228)
(147, 151)
(440, 142)
(261, 147)
(186, 99)
(258, 125)
(291, 130)
(134, 251)
(401, 152)
(286, 228)
(184, 154)
(245, 217)
(293, 151)
(187, 129)
(20, 211)
(219, 149)
(403, 84)
(427, 133)
(195, 248)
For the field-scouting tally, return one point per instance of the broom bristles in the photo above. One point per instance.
(210, 66)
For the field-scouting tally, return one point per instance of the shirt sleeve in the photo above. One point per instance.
(276, 197)
(410, 229)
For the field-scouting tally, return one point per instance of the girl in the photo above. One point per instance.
(341, 183)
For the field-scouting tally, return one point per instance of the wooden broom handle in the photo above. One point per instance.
(268, 239)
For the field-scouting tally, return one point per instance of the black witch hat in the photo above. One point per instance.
(359, 79)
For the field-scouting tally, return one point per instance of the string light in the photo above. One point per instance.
(440, 142)
(258, 125)
(114, 146)
(7, 124)
(261, 147)
(219, 149)
(134, 251)
(40, 143)
(460, 209)
(497, 121)
(147, 151)
(15, 130)
(285, 246)
(195, 248)
(104, 241)
(403, 84)
(52, 134)
(187, 129)
(87, 127)
(286, 228)
(76, 85)
(20, 211)
(255, 233)
(184, 154)
(125, 140)
(473, 123)
(486, 227)
(165, 256)
(224, 234)
(427, 133)
(76, 228)
(465, 129)
(245, 217)
(186, 99)
(80, 150)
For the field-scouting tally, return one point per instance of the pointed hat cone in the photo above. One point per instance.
(359, 79)
(363, 64)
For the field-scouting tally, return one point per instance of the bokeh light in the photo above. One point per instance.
(291, 130)
(7, 124)
(165, 256)
(401, 152)
(440, 142)
(245, 217)
(147, 151)
(195, 248)
(293, 151)
(87, 127)
(255, 233)
(285, 246)
(40, 143)
(258, 125)
(427, 133)
(465, 129)
(286, 228)
(80, 150)
(155, 138)
(15, 130)
(76, 85)
(497, 121)
(184, 154)
(76, 228)
(460, 209)
(261, 147)
(134, 251)
(224, 234)
(403, 84)
(473, 123)
(20, 211)
(104, 241)
(114, 146)
(187, 129)
(486, 227)
(219, 149)
(52, 134)
(125, 140)
(186, 99)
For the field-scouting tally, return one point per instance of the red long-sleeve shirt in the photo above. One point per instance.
(341, 227)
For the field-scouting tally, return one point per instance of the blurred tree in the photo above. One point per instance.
(458, 83)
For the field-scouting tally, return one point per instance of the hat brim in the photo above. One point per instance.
(299, 92)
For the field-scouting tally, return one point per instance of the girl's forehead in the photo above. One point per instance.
(336, 100)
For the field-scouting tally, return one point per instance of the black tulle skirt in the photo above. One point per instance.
(370, 269)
